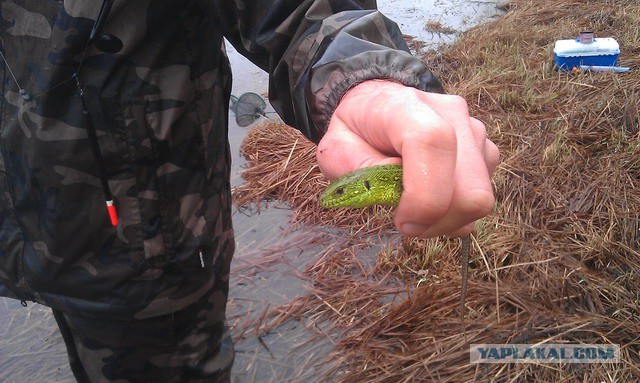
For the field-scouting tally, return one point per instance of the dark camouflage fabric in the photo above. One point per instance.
(192, 345)
(157, 83)
(161, 119)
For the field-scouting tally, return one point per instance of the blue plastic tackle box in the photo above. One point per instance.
(586, 50)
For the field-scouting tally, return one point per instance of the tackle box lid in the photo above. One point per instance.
(599, 47)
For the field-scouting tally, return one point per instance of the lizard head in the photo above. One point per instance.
(344, 194)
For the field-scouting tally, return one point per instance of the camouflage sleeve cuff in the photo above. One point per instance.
(350, 60)
(327, 91)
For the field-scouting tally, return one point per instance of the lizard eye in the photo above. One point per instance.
(367, 185)
(339, 191)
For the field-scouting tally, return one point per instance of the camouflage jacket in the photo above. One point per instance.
(156, 83)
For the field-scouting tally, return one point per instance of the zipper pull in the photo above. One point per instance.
(113, 214)
(201, 258)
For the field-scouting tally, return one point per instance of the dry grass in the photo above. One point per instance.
(557, 261)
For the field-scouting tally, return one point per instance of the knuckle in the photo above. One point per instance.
(458, 102)
(478, 203)
(435, 210)
(438, 210)
(416, 207)
(479, 128)
(438, 135)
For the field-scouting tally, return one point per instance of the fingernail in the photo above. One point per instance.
(413, 229)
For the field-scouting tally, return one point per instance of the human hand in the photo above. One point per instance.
(447, 159)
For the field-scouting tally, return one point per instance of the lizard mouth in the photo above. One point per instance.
(336, 198)
(328, 200)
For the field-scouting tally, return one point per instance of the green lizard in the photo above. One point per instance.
(381, 185)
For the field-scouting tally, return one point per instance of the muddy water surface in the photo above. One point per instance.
(269, 255)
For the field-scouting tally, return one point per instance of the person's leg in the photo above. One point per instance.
(74, 360)
(205, 349)
(191, 345)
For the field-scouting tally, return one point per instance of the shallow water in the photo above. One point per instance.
(268, 259)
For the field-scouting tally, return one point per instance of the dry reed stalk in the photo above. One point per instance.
(558, 260)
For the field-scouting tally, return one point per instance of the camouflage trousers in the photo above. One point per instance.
(192, 345)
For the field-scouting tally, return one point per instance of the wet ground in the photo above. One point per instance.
(269, 255)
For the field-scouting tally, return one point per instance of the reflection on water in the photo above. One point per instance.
(31, 349)
(268, 257)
